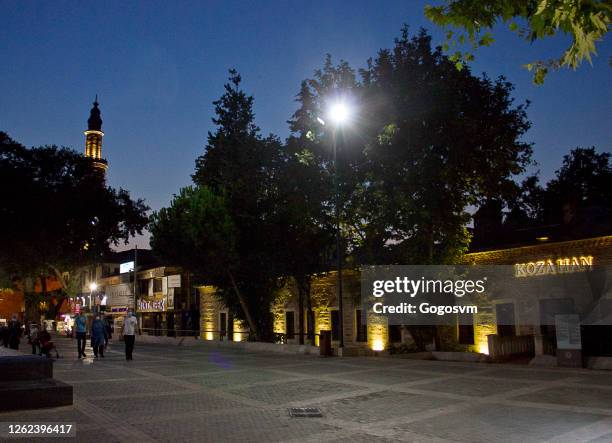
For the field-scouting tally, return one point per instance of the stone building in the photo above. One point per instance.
(502, 327)
(563, 278)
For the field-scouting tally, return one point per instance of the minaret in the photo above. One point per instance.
(93, 138)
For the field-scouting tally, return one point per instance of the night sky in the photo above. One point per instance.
(157, 66)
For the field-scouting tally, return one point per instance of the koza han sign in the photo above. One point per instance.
(551, 266)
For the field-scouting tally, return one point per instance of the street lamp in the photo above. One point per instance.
(339, 113)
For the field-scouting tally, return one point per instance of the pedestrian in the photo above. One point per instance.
(129, 334)
(98, 336)
(80, 324)
(14, 332)
(45, 343)
(109, 331)
(33, 338)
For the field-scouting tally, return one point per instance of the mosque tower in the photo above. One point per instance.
(93, 138)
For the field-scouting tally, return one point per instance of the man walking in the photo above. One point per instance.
(80, 324)
(98, 336)
(129, 334)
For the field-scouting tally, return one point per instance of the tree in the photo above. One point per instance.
(586, 21)
(427, 142)
(243, 166)
(581, 185)
(576, 203)
(57, 214)
(311, 172)
(197, 232)
(304, 222)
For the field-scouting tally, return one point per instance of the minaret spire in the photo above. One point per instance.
(93, 137)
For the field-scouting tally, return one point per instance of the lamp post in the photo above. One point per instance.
(338, 113)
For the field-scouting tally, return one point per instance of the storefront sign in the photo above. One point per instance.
(119, 309)
(567, 328)
(174, 281)
(126, 267)
(551, 266)
(120, 295)
(150, 305)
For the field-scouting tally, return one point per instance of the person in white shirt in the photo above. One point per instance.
(129, 334)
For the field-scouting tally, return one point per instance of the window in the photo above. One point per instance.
(395, 333)
(157, 285)
(143, 287)
(466, 329)
(505, 319)
(361, 326)
(335, 325)
(290, 324)
(222, 324)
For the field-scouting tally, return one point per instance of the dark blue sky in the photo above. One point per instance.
(157, 66)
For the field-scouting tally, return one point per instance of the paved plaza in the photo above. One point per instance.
(171, 393)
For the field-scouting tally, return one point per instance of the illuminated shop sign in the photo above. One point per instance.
(126, 267)
(150, 305)
(550, 266)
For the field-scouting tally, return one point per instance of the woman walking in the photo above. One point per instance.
(98, 336)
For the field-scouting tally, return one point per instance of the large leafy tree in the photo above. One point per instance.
(274, 198)
(57, 213)
(447, 140)
(241, 165)
(427, 142)
(580, 190)
(587, 22)
(303, 221)
(197, 232)
(583, 181)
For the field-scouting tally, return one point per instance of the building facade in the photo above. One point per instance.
(504, 326)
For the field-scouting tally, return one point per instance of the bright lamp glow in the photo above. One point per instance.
(93, 286)
(339, 113)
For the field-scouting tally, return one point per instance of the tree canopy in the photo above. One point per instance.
(57, 212)
(576, 202)
(426, 142)
(587, 22)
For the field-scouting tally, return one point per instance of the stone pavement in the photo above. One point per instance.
(174, 394)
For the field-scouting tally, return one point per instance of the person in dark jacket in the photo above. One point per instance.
(80, 326)
(99, 336)
(14, 333)
(109, 330)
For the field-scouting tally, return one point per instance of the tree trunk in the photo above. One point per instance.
(243, 305)
(60, 278)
